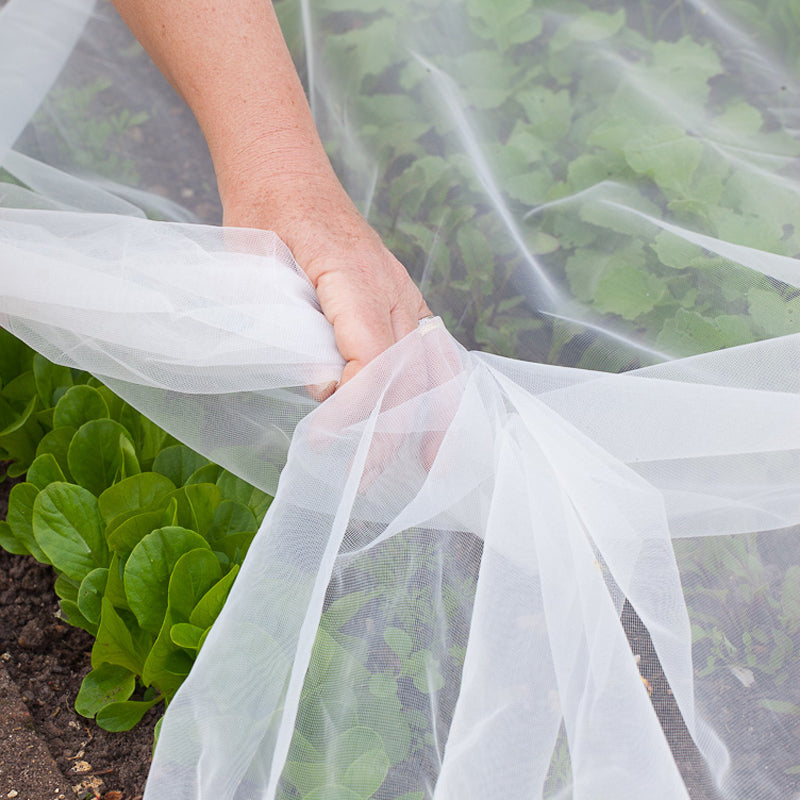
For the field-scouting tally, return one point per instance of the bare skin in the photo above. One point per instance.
(229, 62)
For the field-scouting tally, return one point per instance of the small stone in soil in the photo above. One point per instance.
(31, 637)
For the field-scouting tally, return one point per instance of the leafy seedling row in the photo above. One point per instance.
(146, 538)
(145, 535)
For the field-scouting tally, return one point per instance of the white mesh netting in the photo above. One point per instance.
(472, 558)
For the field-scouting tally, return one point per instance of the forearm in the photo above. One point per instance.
(229, 62)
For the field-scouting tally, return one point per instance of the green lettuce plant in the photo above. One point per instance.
(145, 535)
(144, 560)
(146, 538)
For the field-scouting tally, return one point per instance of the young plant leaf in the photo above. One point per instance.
(206, 474)
(10, 543)
(90, 594)
(167, 665)
(592, 26)
(15, 357)
(781, 707)
(113, 401)
(45, 470)
(230, 517)
(790, 598)
(56, 442)
(148, 569)
(79, 405)
(130, 464)
(178, 463)
(128, 533)
(148, 439)
(20, 391)
(144, 492)
(425, 671)
(108, 683)
(667, 155)
(95, 456)
(332, 792)
(400, 642)
(69, 530)
(207, 609)
(71, 613)
(51, 380)
(20, 518)
(119, 641)
(186, 635)
(195, 573)
(342, 610)
(629, 291)
(20, 435)
(115, 588)
(170, 515)
(123, 715)
(234, 488)
(203, 500)
(66, 589)
(356, 763)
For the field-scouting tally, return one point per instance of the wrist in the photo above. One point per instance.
(306, 207)
(270, 166)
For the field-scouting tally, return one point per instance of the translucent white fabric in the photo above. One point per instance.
(449, 596)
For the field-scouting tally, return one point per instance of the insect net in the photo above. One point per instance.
(545, 546)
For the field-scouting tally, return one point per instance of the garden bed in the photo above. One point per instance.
(47, 659)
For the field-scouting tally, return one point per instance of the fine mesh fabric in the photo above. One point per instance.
(546, 546)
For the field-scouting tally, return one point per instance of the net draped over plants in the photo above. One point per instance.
(588, 464)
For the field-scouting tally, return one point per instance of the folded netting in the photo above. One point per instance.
(588, 462)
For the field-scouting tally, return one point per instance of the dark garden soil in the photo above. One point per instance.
(687, 757)
(46, 660)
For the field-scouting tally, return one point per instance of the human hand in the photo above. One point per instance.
(231, 65)
(364, 291)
